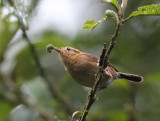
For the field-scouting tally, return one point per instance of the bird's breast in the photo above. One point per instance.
(82, 71)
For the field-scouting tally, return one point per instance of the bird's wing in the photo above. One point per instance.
(91, 58)
(95, 59)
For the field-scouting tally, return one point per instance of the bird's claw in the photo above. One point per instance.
(108, 73)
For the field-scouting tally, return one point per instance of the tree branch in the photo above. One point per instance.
(103, 63)
(20, 98)
(51, 86)
(111, 45)
(92, 97)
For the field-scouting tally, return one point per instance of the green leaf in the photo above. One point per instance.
(146, 10)
(91, 24)
(113, 2)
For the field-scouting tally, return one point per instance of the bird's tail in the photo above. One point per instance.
(130, 77)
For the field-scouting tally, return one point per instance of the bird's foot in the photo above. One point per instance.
(108, 73)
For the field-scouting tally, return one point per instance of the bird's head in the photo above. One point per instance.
(66, 53)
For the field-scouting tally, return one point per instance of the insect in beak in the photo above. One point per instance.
(51, 47)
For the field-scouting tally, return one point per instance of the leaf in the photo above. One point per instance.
(91, 24)
(146, 10)
(113, 2)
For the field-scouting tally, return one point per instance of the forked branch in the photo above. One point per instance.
(103, 63)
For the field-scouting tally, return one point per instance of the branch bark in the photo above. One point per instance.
(92, 96)
(102, 65)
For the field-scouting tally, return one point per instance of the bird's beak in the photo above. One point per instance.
(57, 49)
(51, 47)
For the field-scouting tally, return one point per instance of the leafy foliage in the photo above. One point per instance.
(146, 10)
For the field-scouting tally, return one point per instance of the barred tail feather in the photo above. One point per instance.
(131, 77)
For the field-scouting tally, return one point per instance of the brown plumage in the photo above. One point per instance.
(83, 67)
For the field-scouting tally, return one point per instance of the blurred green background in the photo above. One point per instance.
(61, 24)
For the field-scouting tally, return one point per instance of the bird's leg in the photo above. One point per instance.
(106, 71)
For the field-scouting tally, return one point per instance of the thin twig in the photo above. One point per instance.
(126, 19)
(102, 65)
(111, 45)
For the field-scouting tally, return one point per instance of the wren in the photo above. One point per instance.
(83, 67)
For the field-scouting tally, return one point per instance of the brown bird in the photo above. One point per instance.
(83, 67)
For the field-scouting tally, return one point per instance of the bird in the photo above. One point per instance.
(83, 66)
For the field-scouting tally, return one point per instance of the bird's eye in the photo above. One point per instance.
(68, 48)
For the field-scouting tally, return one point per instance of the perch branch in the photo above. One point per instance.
(102, 65)
(92, 96)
